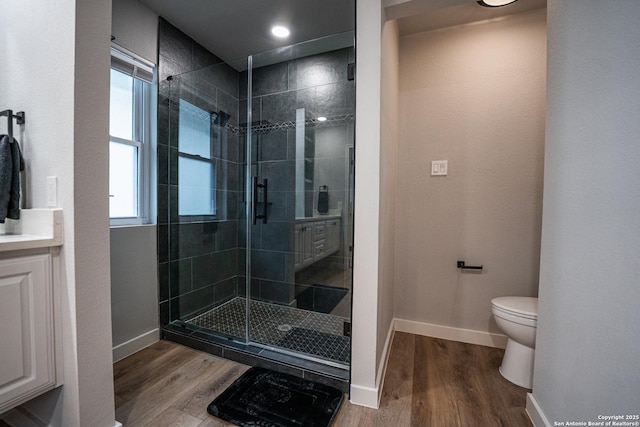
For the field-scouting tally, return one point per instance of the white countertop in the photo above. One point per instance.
(332, 214)
(319, 217)
(36, 228)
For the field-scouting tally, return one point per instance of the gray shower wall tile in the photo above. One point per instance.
(270, 79)
(227, 235)
(171, 66)
(194, 303)
(268, 265)
(277, 236)
(280, 107)
(226, 175)
(163, 247)
(230, 144)
(329, 67)
(281, 205)
(213, 268)
(277, 292)
(229, 104)
(189, 240)
(174, 44)
(225, 290)
(163, 281)
(202, 58)
(163, 164)
(163, 204)
(334, 99)
(222, 76)
(280, 175)
(230, 204)
(180, 277)
(256, 108)
(172, 170)
(272, 145)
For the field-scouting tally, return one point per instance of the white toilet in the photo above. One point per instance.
(517, 317)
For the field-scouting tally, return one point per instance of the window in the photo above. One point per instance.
(129, 139)
(196, 169)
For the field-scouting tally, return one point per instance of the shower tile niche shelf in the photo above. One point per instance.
(30, 334)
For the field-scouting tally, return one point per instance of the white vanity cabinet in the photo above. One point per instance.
(332, 235)
(29, 357)
(315, 240)
(304, 245)
(27, 353)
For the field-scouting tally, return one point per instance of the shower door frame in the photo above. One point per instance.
(250, 214)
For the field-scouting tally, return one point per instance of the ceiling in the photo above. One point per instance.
(233, 29)
(462, 14)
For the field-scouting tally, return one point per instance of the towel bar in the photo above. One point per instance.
(20, 118)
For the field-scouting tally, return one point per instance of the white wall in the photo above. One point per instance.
(134, 264)
(135, 27)
(473, 95)
(134, 289)
(588, 336)
(388, 186)
(364, 356)
(56, 69)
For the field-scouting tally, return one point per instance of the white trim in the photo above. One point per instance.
(135, 344)
(382, 368)
(468, 336)
(533, 410)
(118, 424)
(367, 396)
(364, 396)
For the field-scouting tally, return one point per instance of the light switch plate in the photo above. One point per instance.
(439, 167)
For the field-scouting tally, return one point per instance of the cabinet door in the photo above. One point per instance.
(297, 254)
(333, 236)
(307, 245)
(26, 329)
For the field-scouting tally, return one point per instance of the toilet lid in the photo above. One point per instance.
(522, 306)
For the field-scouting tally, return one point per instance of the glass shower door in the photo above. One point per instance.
(200, 200)
(301, 137)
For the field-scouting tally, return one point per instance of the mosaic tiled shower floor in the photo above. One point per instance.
(316, 334)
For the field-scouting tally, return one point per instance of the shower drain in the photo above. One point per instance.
(284, 328)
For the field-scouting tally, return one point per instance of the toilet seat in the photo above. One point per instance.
(522, 310)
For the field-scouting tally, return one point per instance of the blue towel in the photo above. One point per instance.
(11, 163)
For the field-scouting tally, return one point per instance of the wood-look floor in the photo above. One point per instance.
(429, 382)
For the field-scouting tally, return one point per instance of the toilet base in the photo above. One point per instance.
(517, 364)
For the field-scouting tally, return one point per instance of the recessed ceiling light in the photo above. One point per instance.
(495, 3)
(280, 31)
(322, 119)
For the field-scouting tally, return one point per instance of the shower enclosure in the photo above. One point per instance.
(259, 204)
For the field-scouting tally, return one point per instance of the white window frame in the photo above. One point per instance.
(141, 70)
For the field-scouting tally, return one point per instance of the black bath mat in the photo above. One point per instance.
(265, 398)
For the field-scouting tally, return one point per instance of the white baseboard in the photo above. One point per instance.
(367, 396)
(364, 396)
(538, 419)
(136, 344)
(118, 424)
(468, 336)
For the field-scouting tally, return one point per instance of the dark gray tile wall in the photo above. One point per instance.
(197, 257)
(201, 262)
